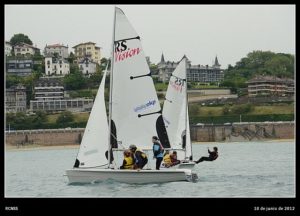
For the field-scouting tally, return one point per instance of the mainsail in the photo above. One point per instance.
(136, 112)
(175, 111)
(94, 142)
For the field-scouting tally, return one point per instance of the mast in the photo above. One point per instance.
(110, 90)
(186, 106)
(187, 113)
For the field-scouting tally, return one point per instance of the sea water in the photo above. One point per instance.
(246, 169)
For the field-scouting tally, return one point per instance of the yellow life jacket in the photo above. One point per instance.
(167, 159)
(129, 163)
(142, 153)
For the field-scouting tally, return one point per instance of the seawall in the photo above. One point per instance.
(205, 133)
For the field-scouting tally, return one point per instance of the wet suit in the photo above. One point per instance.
(213, 155)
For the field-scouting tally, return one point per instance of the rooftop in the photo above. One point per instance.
(56, 45)
(26, 45)
(261, 78)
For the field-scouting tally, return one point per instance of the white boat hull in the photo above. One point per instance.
(84, 175)
(188, 165)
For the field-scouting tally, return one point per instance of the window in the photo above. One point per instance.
(60, 72)
(60, 66)
(88, 48)
(48, 66)
(87, 72)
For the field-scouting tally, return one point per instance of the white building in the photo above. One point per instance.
(53, 66)
(87, 66)
(8, 48)
(24, 49)
(61, 50)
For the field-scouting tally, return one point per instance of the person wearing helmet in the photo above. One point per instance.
(128, 160)
(213, 155)
(140, 158)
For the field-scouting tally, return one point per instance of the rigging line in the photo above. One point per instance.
(168, 100)
(119, 142)
(134, 77)
(158, 112)
(137, 37)
(178, 77)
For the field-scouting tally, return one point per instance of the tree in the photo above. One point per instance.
(104, 62)
(64, 118)
(71, 58)
(12, 80)
(40, 119)
(20, 38)
(74, 81)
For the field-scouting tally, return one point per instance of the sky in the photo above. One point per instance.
(201, 32)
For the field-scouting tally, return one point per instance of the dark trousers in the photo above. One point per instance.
(142, 163)
(204, 159)
(158, 162)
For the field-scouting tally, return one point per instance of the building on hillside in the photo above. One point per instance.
(8, 48)
(23, 49)
(88, 49)
(270, 85)
(73, 105)
(49, 95)
(48, 88)
(60, 49)
(195, 73)
(56, 66)
(19, 67)
(15, 99)
(87, 66)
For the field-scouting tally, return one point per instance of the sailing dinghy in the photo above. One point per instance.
(176, 116)
(134, 117)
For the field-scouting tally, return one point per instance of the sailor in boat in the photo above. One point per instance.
(213, 155)
(170, 159)
(140, 158)
(128, 160)
(158, 151)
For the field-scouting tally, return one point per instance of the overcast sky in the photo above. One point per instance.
(199, 31)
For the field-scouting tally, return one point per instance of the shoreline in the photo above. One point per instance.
(76, 146)
(40, 147)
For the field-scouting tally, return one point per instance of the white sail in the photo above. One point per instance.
(188, 147)
(94, 141)
(175, 111)
(136, 112)
(134, 115)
